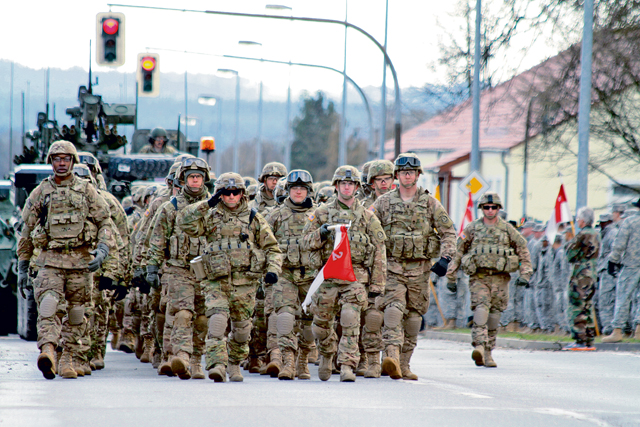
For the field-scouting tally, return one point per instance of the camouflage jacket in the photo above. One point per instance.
(369, 200)
(145, 228)
(609, 237)
(477, 237)
(582, 253)
(167, 149)
(168, 242)
(561, 269)
(262, 201)
(119, 218)
(75, 213)
(366, 239)
(626, 246)
(132, 221)
(226, 230)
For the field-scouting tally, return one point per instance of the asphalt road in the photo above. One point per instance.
(529, 388)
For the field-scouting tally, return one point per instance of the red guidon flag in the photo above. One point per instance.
(467, 218)
(561, 213)
(337, 267)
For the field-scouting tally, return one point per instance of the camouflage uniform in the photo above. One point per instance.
(543, 292)
(561, 274)
(345, 298)
(582, 253)
(530, 317)
(238, 253)
(64, 221)
(606, 282)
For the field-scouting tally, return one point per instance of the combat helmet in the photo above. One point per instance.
(365, 172)
(172, 173)
(407, 161)
(380, 167)
(299, 177)
(63, 147)
(90, 160)
(230, 180)
(325, 194)
(252, 191)
(490, 197)
(346, 173)
(158, 133)
(149, 191)
(137, 196)
(190, 166)
(272, 169)
(83, 171)
(249, 181)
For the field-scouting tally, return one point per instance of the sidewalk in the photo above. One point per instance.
(464, 335)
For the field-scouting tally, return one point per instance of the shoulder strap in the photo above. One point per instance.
(252, 215)
(174, 202)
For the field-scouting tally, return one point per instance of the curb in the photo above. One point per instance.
(527, 345)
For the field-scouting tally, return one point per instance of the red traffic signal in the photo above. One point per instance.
(110, 26)
(110, 39)
(148, 63)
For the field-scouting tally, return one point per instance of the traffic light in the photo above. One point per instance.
(110, 39)
(148, 74)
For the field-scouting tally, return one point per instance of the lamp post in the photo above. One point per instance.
(258, 163)
(223, 72)
(209, 101)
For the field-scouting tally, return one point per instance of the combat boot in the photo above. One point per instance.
(373, 365)
(47, 361)
(180, 365)
(405, 357)
(234, 373)
(66, 366)
(288, 371)
(449, 324)
(128, 342)
(157, 359)
(165, 368)
(77, 366)
(114, 340)
(195, 366)
(218, 374)
(86, 366)
(346, 374)
(488, 359)
(302, 367)
(478, 355)
(264, 364)
(362, 365)
(254, 365)
(98, 362)
(275, 365)
(326, 367)
(616, 336)
(147, 352)
(139, 347)
(313, 355)
(391, 362)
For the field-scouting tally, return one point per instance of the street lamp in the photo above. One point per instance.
(210, 101)
(223, 72)
(258, 163)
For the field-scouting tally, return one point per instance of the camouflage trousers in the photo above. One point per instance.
(581, 291)
(544, 299)
(560, 304)
(185, 305)
(489, 294)
(529, 302)
(408, 292)
(157, 310)
(515, 307)
(455, 305)
(98, 316)
(259, 333)
(287, 298)
(236, 300)
(132, 312)
(63, 290)
(346, 299)
(626, 292)
(606, 300)
(116, 315)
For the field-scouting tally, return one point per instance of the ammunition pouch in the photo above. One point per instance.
(409, 245)
(362, 250)
(433, 246)
(296, 257)
(490, 257)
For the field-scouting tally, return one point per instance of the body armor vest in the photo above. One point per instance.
(182, 247)
(289, 236)
(490, 249)
(362, 250)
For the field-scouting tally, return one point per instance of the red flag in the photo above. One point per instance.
(467, 217)
(561, 213)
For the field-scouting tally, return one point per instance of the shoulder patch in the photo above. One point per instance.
(147, 212)
(312, 217)
(372, 208)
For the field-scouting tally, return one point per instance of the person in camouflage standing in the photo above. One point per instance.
(368, 258)
(490, 249)
(379, 179)
(185, 300)
(582, 254)
(299, 268)
(158, 143)
(418, 230)
(271, 173)
(240, 248)
(65, 218)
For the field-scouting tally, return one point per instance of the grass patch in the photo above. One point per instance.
(534, 337)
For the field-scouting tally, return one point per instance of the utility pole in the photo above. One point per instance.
(475, 127)
(585, 106)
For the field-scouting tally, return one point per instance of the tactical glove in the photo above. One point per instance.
(270, 278)
(324, 232)
(260, 292)
(215, 199)
(373, 295)
(152, 276)
(23, 277)
(440, 267)
(105, 283)
(120, 293)
(452, 286)
(144, 287)
(613, 268)
(100, 253)
(522, 282)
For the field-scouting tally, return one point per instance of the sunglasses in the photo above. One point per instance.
(490, 207)
(227, 192)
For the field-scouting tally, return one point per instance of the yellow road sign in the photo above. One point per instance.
(475, 184)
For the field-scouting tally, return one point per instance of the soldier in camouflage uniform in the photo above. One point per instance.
(605, 291)
(560, 277)
(240, 248)
(158, 143)
(292, 327)
(582, 253)
(65, 218)
(488, 251)
(271, 173)
(185, 299)
(624, 262)
(345, 298)
(365, 189)
(543, 293)
(379, 179)
(418, 230)
(325, 195)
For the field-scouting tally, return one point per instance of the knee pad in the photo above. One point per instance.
(373, 320)
(217, 325)
(241, 330)
(272, 323)
(349, 318)
(493, 322)
(48, 305)
(319, 332)
(200, 324)
(307, 333)
(76, 315)
(285, 323)
(182, 318)
(480, 316)
(412, 326)
(392, 317)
